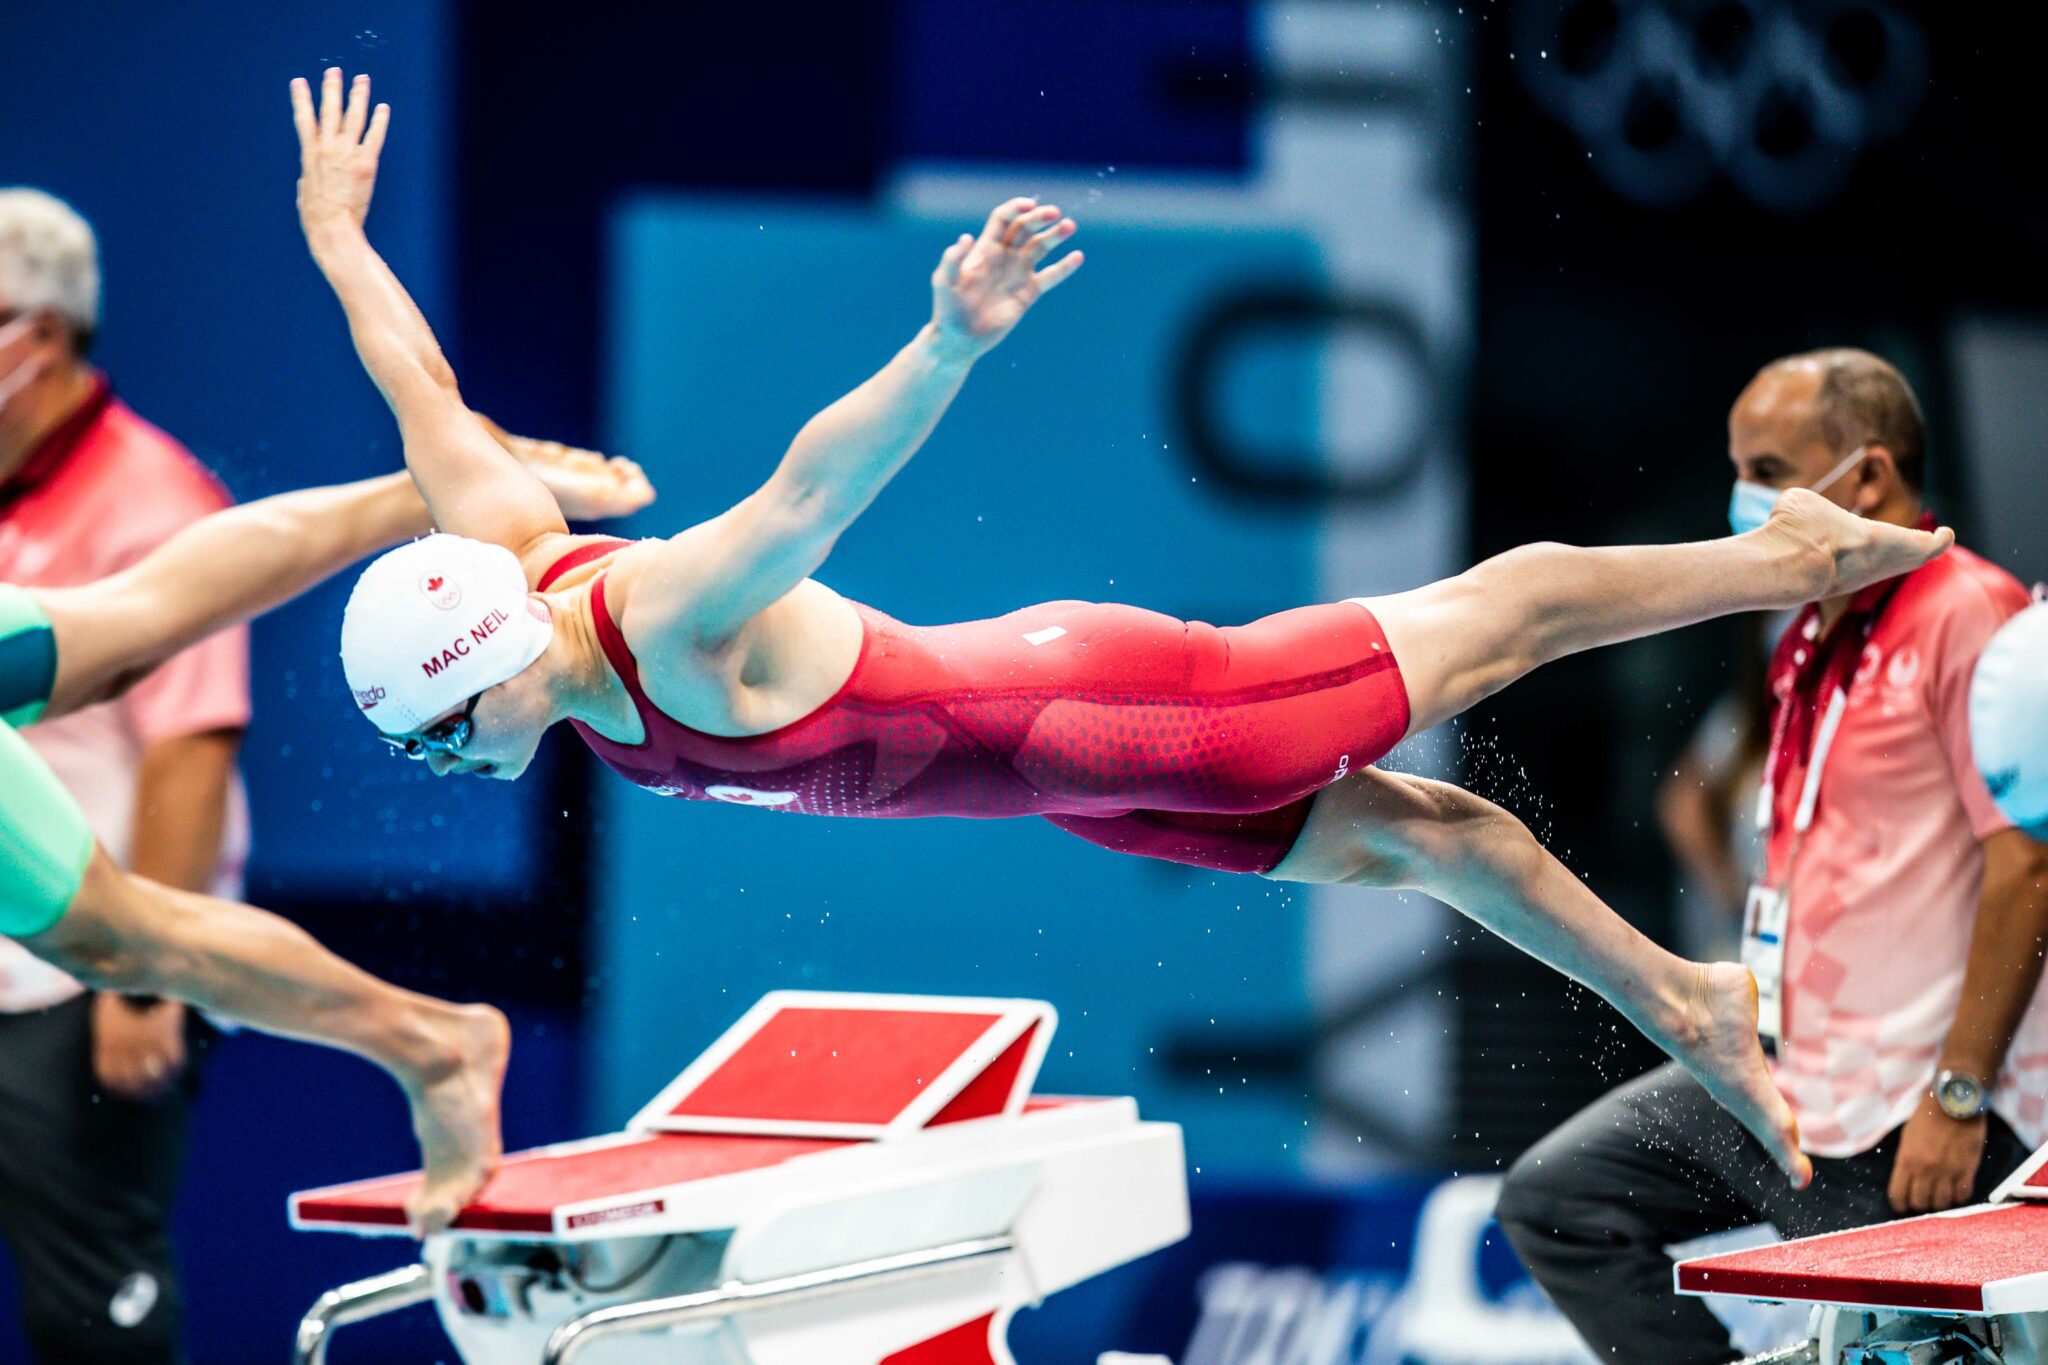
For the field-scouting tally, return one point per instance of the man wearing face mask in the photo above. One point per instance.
(1896, 927)
(94, 1088)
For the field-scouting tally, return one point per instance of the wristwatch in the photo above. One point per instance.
(1960, 1095)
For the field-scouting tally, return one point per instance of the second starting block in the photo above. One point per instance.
(1969, 1285)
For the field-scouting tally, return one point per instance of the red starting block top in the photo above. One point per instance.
(803, 1074)
(529, 1187)
(1989, 1259)
(578, 1187)
(830, 1064)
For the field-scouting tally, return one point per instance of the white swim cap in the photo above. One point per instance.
(2009, 717)
(433, 623)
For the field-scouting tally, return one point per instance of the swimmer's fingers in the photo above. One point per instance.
(302, 117)
(1041, 244)
(330, 102)
(355, 114)
(948, 272)
(1056, 273)
(380, 123)
(1025, 224)
(1004, 214)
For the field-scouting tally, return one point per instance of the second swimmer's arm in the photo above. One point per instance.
(708, 582)
(215, 573)
(239, 563)
(474, 485)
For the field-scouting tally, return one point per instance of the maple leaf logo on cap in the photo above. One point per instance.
(438, 590)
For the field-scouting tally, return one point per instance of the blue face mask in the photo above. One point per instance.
(1749, 506)
(24, 374)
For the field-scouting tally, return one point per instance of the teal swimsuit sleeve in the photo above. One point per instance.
(45, 844)
(28, 656)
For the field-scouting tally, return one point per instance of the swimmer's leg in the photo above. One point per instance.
(126, 933)
(1465, 638)
(1377, 828)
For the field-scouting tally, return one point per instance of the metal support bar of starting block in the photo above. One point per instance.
(374, 1297)
(738, 1296)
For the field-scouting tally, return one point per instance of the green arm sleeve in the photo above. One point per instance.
(28, 656)
(44, 842)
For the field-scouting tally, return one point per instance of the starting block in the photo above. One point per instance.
(1967, 1285)
(839, 1180)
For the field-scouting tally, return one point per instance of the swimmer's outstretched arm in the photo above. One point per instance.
(708, 582)
(129, 934)
(474, 485)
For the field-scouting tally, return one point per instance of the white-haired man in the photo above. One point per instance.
(94, 1088)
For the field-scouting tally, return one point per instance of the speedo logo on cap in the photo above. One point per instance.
(368, 697)
(459, 647)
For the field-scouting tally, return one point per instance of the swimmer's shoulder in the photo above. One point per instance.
(624, 568)
(562, 562)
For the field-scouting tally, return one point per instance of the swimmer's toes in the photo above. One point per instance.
(432, 1210)
(1729, 1060)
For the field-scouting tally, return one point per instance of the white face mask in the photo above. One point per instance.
(24, 374)
(1750, 505)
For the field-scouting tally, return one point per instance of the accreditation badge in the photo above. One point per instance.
(1763, 952)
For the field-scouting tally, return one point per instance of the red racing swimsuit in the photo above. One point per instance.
(1141, 733)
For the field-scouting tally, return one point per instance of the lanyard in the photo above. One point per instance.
(1816, 763)
(1817, 758)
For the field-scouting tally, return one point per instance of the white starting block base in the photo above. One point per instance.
(839, 1180)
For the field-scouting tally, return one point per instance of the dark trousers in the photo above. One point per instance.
(1591, 1208)
(86, 1187)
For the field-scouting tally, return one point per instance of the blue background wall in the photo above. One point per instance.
(176, 142)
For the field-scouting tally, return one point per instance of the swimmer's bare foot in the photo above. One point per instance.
(455, 1113)
(1839, 552)
(588, 486)
(1717, 1042)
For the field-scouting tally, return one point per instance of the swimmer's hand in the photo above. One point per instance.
(984, 285)
(588, 486)
(338, 150)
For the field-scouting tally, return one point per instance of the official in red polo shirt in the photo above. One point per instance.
(94, 1089)
(1895, 929)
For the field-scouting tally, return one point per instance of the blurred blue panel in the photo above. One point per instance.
(1075, 82)
(177, 144)
(1053, 476)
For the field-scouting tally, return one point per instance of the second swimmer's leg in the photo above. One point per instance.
(126, 933)
(1463, 639)
(1383, 829)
